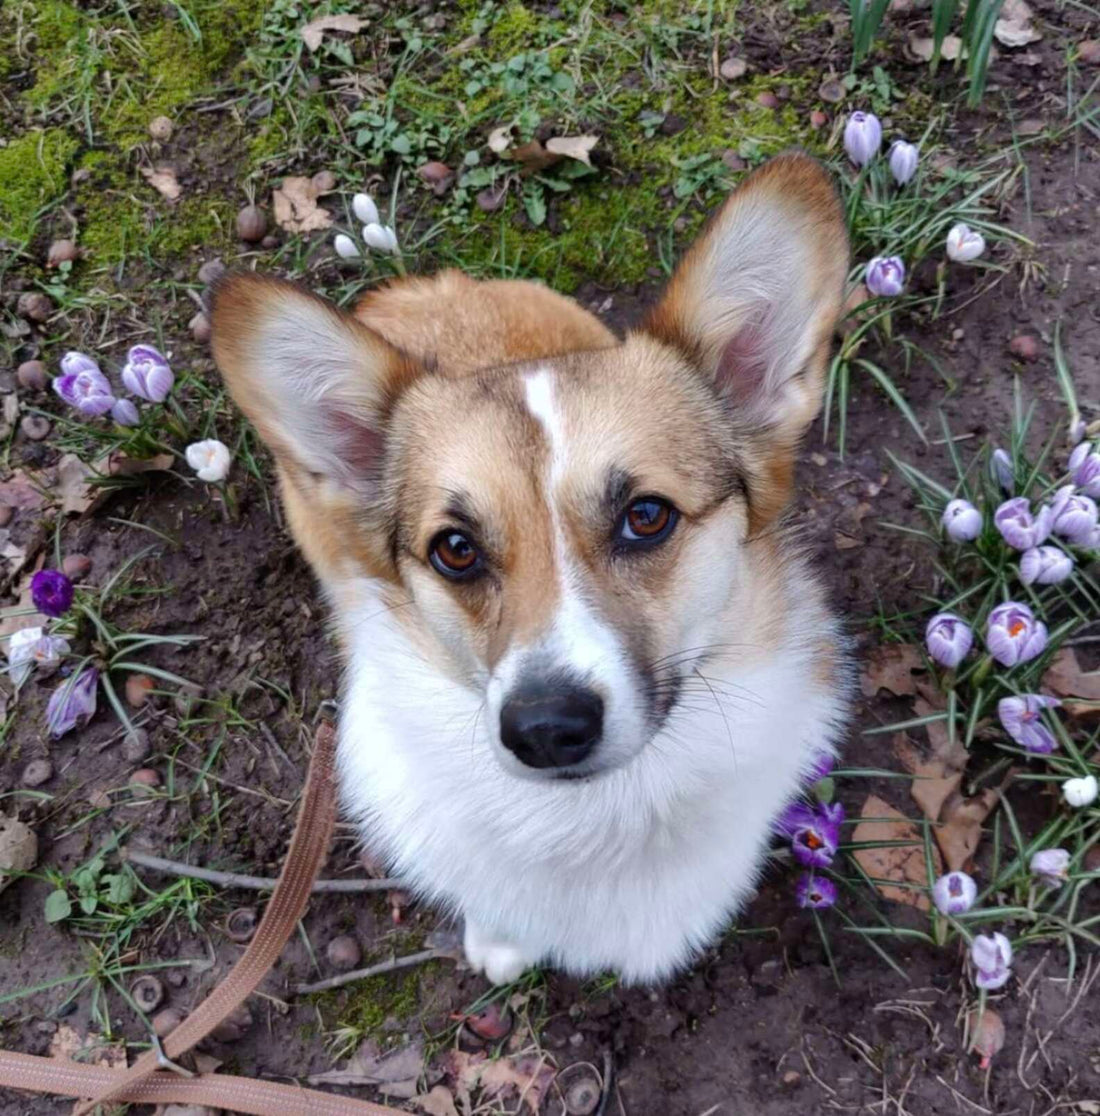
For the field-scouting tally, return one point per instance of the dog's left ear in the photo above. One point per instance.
(754, 302)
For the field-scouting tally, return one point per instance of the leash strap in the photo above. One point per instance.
(141, 1081)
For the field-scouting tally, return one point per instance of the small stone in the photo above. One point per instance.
(76, 567)
(733, 68)
(211, 270)
(235, 1027)
(35, 427)
(1024, 346)
(37, 772)
(733, 160)
(767, 100)
(199, 326)
(136, 746)
(185, 698)
(576, 1040)
(145, 777)
(818, 119)
(166, 1021)
(6, 512)
(791, 1078)
(343, 953)
(491, 199)
(31, 375)
(61, 251)
(161, 128)
(1088, 51)
(99, 799)
(35, 306)
(138, 689)
(269, 242)
(831, 91)
(324, 182)
(251, 224)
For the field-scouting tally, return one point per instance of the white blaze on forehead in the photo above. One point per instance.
(539, 388)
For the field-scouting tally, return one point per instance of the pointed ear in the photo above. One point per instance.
(315, 383)
(754, 302)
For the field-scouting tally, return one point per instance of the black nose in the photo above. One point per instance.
(556, 727)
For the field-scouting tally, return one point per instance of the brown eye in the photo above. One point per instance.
(454, 556)
(647, 521)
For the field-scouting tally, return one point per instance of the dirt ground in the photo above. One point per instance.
(758, 1026)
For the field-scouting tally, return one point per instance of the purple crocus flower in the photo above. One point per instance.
(51, 592)
(814, 832)
(991, 955)
(1084, 468)
(862, 137)
(1045, 565)
(1073, 517)
(1019, 527)
(815, 893)
(1021, 717)
(83, 386)
(1051, 866)
(885, 276)
(904, 157)
(146, 374)
(954, 893)
(1013, 635)
(962, 521)
(1002, 470)
(73, 703)
(948, 638)
(125, 413)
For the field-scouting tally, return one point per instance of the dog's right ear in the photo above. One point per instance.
(315, 383)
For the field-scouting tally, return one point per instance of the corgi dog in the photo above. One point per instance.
(586, 665)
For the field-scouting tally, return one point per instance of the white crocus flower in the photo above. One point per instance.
(381, 238)
(346, 248)
(964, 243)
(209, 459)
(365, 210)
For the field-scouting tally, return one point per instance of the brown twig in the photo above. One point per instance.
(252, 883)
(373, 970)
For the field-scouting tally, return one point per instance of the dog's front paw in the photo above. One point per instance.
(500, 961)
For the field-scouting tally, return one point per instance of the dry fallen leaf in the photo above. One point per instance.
(163, 178)
(901, 863)
(1014, 27)
(18, 849)
(30, 618)
(73, 488)
(1065, 677)
(393, 1072)
(533, 156)
(573, 147)
(960, 828)
(438, 1102)
(890, 667)
(921, 48)
(69, 1043)
(314, 32)
(522, 1075)
(296, 208)
(23, 491)
(120, 465)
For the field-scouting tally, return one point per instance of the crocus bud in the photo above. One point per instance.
(1019, 527)
(1051, 866)
(954, 893)
(1072, 516)
(948, 638)
(962, 521)
(209, 459)
(380, 237)
(1084, 469)
(51, 592)
(903, 161)
(31, 648)
(964, 243)
(1080, 792)
(991, 955)
(862, 137)
(1002, 470)
(83, 386)
(346, 248)
(1021, 717)
(1078, 428)
(125, 413)
(1045, 565)
(815, 893)
(73, 703)
(362, 205)
(1013, 635)
(146, 374)
(885, 276)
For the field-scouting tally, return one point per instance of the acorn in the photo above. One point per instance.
(211, 270)
(160, 128)
(76, 567)
(166, 1021)
(31, 375)
(61, 251)
(138, 689)
(199, 326)
(251, 224)
(987, 1034)
(144, 781)
(34, 305)
(324, 182)
(1024, 346)
(35, 427)
(147, 992)
(492, 1024)
(241, 924)
(343, 953)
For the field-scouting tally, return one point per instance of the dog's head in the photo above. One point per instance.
(564, 535)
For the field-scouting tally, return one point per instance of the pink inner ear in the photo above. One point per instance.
(742, 369)
(358, 446)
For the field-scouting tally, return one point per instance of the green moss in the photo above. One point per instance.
(368, 1004)
(513, 30)
(33, 172)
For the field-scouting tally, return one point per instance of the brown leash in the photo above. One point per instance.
(142, 1082)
